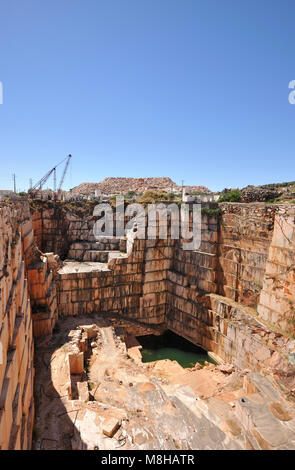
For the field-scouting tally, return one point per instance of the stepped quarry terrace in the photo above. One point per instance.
(75, 310)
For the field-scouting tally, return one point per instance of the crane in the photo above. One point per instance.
(42, 181)
(64, 172)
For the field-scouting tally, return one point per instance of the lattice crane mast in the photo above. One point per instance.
(42, 181)
(64, 172)
(38, 186)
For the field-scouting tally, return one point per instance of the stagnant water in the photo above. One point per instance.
(173, 347)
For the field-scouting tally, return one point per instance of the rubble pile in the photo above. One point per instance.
(253, 194)
(122, 185)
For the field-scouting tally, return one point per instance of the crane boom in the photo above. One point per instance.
(43, 180)
(64, 172)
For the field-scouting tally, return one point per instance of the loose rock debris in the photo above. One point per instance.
(109, 399)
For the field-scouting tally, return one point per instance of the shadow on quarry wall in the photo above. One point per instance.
(221, 278)
(50, 226)
(57, 224)
(54, 426)
(59, 404)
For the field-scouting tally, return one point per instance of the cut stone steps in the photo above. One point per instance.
(96, 251)
(96, 256)
(106, 244)
(102, 256)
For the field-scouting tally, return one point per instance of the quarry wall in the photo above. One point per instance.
(24, 290)
(244, 238)
(277, 299)
(219, 296)
(16, 332)
(134, 285)
(234, 296)
(223, 298)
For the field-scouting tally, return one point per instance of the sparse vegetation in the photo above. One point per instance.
(211, 212)
(258, 284)
(277, 200)
(151, 197)
(278, 185)
(79, 208)
(231, 196)
(129, 194)
(198, 193)
(292, 314)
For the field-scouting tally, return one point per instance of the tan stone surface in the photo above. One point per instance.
(110, 426)
(158, 405)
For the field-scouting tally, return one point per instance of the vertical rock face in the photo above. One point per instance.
(27, 306)
(42, 291)
(133, 285)
(277, 299)
(50, 228)
(16, 332)
(244, 239)
(247, 261)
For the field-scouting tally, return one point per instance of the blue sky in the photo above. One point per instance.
(195, 90)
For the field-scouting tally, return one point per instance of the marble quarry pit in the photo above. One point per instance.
(72, 309)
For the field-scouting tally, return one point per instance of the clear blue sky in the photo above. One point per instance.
(195, 90)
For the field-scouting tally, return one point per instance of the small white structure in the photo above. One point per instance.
(198, 198)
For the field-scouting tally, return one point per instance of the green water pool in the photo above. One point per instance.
(173, 347)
